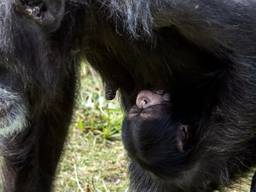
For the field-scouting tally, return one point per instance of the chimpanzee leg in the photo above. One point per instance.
(31, 157)
(253, 184)
(19, 164)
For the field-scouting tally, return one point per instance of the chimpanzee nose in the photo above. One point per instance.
(148, 98)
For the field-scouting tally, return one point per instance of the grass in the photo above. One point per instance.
(94, 159)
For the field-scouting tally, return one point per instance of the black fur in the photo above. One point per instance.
(202, 52)
(38, 66)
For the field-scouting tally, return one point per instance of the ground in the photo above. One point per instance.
(94, 159)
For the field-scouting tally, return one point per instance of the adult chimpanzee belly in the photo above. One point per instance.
(202, 138)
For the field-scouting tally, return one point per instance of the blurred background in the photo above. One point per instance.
(94, 159)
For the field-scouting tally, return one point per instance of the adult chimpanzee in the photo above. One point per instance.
(201, 53)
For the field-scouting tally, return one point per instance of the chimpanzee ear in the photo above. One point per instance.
(47, 13)
(182, 136)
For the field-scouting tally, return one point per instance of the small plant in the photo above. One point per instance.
(94, 159)
(94, 113)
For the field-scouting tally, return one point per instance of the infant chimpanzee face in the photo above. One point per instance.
(151, 134)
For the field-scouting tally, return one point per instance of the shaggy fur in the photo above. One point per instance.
(38, 75)
(202, 52)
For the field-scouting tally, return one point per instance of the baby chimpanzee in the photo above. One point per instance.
(152, 134)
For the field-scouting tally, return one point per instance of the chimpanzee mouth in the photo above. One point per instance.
(12, 113)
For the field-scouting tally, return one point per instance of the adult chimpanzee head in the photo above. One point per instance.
(153, 136)
(25, 58)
